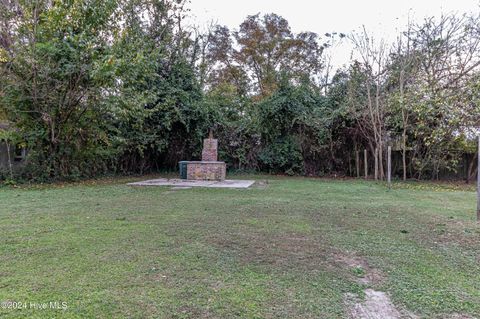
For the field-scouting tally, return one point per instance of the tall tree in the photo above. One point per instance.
(403, 70)
(373, 61)
(55, 80)
(262, 49)
(448, 51)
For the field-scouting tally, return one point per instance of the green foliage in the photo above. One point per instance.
(263, 47)
(282, 156)
(3, 56)
(54, 93)
(10, 138)
(96, 87)
(235, 122)
(295, 120)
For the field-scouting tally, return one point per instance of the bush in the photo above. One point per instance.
(282, 156)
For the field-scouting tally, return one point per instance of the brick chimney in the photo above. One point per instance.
(210, 149)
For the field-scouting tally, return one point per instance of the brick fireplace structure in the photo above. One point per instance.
(209, 168)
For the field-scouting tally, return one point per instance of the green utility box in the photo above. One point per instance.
(183, 169)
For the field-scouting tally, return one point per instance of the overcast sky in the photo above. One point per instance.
(383, 18)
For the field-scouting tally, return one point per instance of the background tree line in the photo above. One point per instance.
(126, 86)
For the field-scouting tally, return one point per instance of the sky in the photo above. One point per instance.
(381, 18)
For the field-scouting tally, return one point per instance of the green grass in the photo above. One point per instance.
(113, 251)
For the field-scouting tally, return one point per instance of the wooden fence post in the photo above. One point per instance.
(366, 163)
(389, 166)
(357, 163)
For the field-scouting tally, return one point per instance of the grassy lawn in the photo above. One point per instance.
(292, 249)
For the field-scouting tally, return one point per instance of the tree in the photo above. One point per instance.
(448, 51)
(403, 70)
(373, 67)
(55, 81)
(262, 49)
(160, 117)
(10, 137)
(295, 124)
(128, 86)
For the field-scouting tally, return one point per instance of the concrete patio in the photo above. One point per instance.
(195, 183)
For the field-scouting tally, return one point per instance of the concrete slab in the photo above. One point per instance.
(233, 184)
(193, 183)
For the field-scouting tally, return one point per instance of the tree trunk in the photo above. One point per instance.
(472, 170)
(357, 162)
(380, 160)
(365, 163)
(10, 165)
(389, 167)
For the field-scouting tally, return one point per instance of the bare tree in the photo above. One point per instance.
(373, 56)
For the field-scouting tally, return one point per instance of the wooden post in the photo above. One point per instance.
(389, 166)
(366, 163)
(376, 163)
(478, 182)
(350, 171)
(357, 163)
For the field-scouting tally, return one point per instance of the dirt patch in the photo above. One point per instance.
(280, 251)
(289, 250)
(359, 268)
(465, 233)
(450, 234)
(376, 305)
